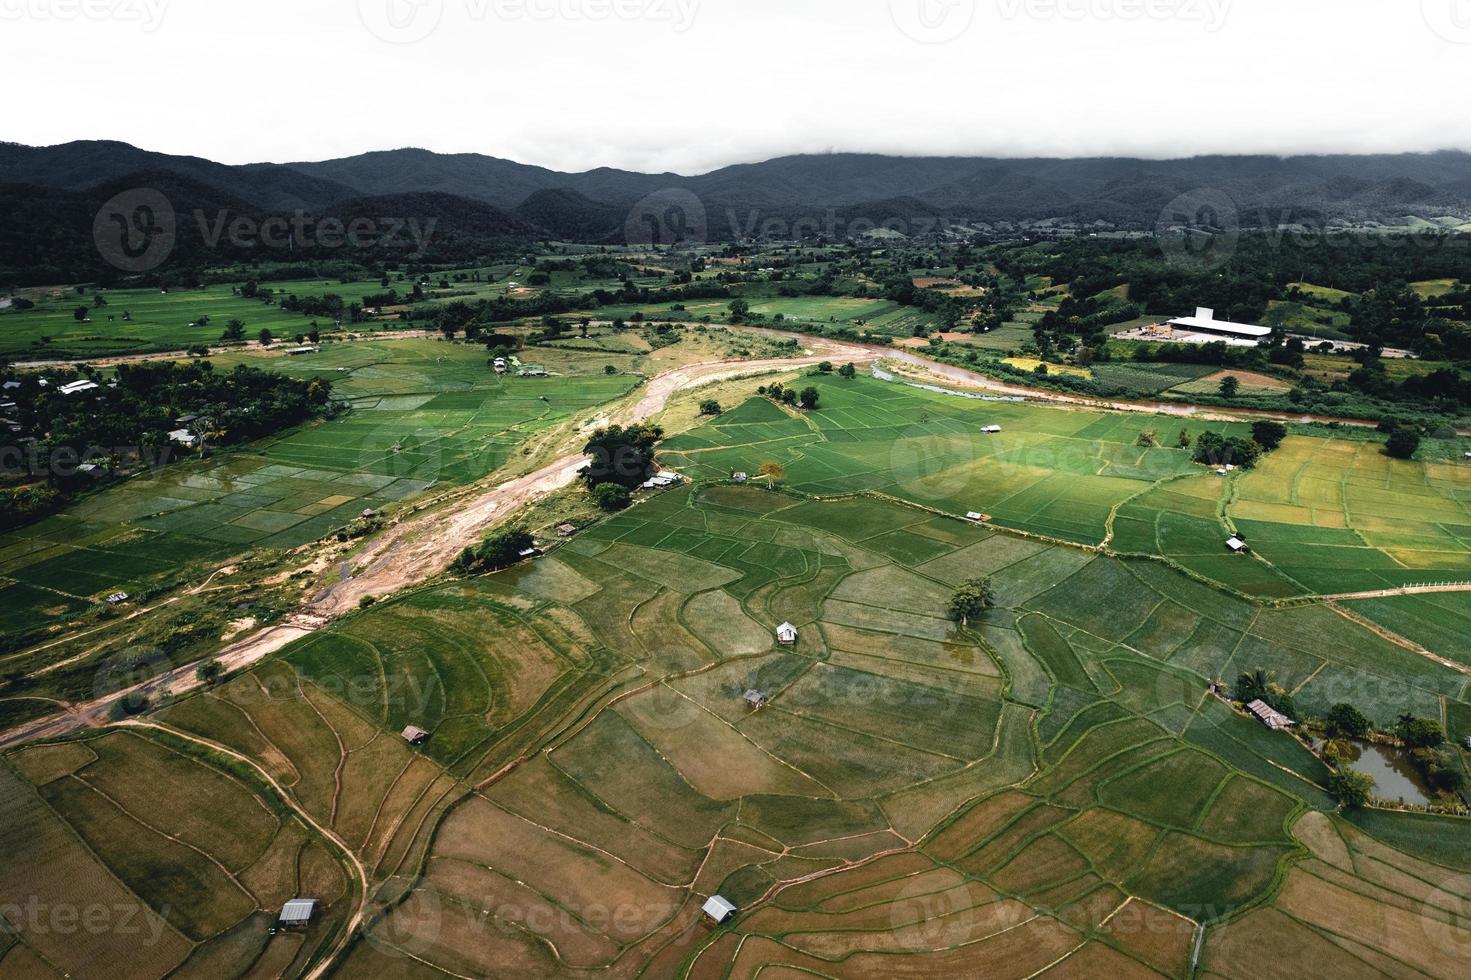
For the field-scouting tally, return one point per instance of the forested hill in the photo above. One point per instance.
(1115, 192)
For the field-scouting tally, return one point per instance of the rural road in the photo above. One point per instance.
(423, 546)
(419, 548)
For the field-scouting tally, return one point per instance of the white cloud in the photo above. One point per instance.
(690, 85)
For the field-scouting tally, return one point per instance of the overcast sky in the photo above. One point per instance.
(691, 85)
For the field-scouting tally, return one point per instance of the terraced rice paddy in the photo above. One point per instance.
(1053, 788)
(422, 413)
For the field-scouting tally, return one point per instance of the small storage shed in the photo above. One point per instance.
(415, 736)
(719, 910)
(786, 634)
(297, 913)
(756, 699)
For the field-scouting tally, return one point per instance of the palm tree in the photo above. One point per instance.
(1254, 685)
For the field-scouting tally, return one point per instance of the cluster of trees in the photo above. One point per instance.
(130, 419)
(808, 397)
(1343, 725)
(1261, 685)
(1215, 449)
(501, 550)
(971, 600)
(621, 456)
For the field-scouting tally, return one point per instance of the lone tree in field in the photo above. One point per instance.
(1230, 385)
(710, 407)
(1148, 439)
(1268, 435)
(1403, 443)
(1351, 789)
(972, 599)
(848, 371)
(771, 473)
(809, 398)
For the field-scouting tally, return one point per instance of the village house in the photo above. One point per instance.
(786, 634)
(1269, 716)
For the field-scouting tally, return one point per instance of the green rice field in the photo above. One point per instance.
(422, 413)
(1324, 516)
(1054, 783)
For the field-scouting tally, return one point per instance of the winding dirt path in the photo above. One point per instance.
(418, 548)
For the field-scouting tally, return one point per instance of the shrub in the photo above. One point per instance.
(612, 497)
(1403, 443)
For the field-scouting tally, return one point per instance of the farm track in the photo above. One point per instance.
(351, 929)
(419, 548)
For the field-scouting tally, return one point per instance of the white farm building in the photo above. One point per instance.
(1204, 322)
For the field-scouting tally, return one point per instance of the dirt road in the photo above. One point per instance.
(416, 549)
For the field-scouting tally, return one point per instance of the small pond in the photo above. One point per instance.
(1395, 776)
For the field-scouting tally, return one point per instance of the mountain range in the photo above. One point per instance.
(829, 194)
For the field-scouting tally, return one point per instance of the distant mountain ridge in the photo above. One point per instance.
(826, 191)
